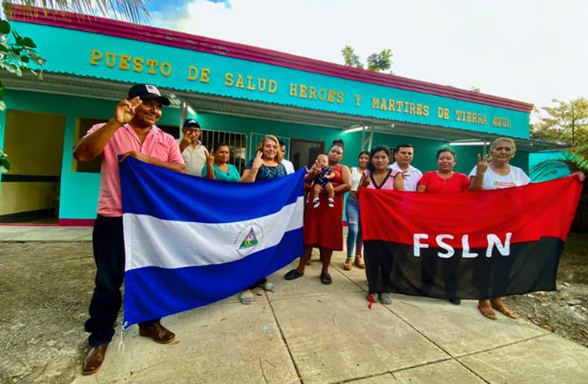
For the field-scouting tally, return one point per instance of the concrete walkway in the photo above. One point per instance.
(311, 333)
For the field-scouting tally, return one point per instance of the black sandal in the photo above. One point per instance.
(293, 274)
(326, 278)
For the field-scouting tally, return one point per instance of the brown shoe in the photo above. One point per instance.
(93, 361)
(347, 265)
(359, 263)
(157, 333)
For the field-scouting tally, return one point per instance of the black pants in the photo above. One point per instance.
(378, 269)
(109, 255)
(429, 263)
(491, 276)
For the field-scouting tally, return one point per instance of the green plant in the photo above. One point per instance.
(4, 164)
(376, 62)
(16, 55)
(573, 161)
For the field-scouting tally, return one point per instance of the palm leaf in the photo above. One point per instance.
(133, 10)
(570, 161)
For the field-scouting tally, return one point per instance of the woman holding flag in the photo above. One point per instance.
(496, 173)
(266, 165)
(444, 180)
(379, 267)
(323, 226)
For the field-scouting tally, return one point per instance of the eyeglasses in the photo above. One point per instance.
(192, 130)
(505, 149)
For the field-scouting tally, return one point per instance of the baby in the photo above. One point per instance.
(323, 180)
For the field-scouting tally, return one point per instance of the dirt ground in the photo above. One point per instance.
(45, 289)
(564, 311)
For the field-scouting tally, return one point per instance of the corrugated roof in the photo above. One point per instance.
(79, 86)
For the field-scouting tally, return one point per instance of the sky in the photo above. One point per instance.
(527, 50)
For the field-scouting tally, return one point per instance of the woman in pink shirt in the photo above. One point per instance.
(443, 180)
(379, 176)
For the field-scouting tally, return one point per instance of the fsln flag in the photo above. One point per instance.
(475, 245)
(191, 241)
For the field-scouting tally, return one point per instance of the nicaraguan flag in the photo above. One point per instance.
(191, 241)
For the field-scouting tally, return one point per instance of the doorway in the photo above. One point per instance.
(30, 190)
(303, 153)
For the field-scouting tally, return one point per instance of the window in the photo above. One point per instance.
(237, 143)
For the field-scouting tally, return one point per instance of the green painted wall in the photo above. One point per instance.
(79, 191)
(425, 150)
(90, 54)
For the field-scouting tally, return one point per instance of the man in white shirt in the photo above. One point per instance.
(403, 155)
(193, 152)
(287, 164)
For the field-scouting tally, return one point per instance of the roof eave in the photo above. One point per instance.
(219, 47)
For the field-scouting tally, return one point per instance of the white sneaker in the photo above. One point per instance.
(316, 203)
(331, 203)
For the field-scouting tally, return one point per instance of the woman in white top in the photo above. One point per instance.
(352, 212)
(496, 173)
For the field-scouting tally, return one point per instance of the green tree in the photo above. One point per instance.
(376, 62)
(564, 123)
(351, 59)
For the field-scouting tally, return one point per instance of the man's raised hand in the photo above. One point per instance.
(125, 110)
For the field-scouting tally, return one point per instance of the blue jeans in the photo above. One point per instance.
(109, 255)
(353, 225)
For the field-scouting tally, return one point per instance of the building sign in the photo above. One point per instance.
(89, 54)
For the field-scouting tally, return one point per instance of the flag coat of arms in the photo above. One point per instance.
(191, 241)
(475, 245)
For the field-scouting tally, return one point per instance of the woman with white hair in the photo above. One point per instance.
(496, 173)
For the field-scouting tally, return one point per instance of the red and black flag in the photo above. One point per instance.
(476, 245)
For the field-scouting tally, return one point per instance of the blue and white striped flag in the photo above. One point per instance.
(192, 241)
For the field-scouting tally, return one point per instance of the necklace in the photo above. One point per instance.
(501, 171)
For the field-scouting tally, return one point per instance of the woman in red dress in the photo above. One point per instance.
(323, 226)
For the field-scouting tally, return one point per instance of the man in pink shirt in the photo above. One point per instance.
(131, 132)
